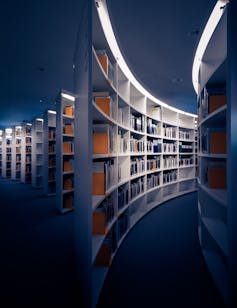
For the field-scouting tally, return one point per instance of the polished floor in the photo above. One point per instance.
(158, 265)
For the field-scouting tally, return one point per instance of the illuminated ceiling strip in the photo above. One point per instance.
(39, 119)
(68, 96)
(110, 37)
(205, 38)
(52, 111)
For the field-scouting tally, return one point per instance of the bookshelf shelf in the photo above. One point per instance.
(128, 140)
(216, 95)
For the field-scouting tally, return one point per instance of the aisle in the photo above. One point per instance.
(37, 268)
(160, 263)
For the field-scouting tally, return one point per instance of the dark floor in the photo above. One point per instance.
(158, 265)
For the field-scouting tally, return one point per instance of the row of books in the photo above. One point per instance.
(18, 141)
(170, 162)
(170, 176)
(137, 145)
(153, 163)
(68, 111)
(211, 100)
(68, 128)
(214, 141)
(18, 150)
(68, 165)
(103, 214)
(68, 183)
(28, 169)
(104, 139)
(185, 161)
(185, 135)
(137, 187)
(28, 130)
(51, 174)
(154, 145)
(28, 159)
(9, 157)
(68, 147)
(137, 122)
(137, 165)
(104, 176)
(106, 64)
(106, 103)
(8, 150)
(169, 131)
(153, 180)
(52, 148)
(123, 196)
(123, 142)
(153, 128)
(52, 134)
(188, 148)
(169, 147)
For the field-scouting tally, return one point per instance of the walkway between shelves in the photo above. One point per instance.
(37, 268)
(160, 265)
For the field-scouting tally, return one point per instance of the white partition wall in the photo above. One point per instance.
(49, 154)
(132, 151)
(37, 153)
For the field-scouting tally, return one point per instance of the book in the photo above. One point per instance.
(216, 176)
(218, 142)
(216, 101)
(104, 104)
(68, 111)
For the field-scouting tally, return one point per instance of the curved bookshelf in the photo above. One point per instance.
(215, 121)
(142, 153)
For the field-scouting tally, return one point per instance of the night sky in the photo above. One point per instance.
(38, 38)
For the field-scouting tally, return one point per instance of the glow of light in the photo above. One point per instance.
(205, 38)
(68, 96)
(110, 37)
(39, 119)
(29, 124)
(18, 127)
(8, 131)
(52, 111)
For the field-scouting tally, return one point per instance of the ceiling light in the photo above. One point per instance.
(205, 38)
(68, 96)
(110, 37)
(52, 111)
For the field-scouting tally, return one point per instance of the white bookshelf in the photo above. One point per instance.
(7, 153)
(65, 151)
(217, 152)
(1, 148)
(16, 152)
(49, 152)
(26, 153)
(37, 152)
(153, 158)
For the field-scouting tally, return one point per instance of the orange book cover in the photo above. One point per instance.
(104, 104)
(51, 148)
(98, 184)
(66, 165)
(216, 178)
(218, 143)
(100, 143)
(66, 147)
(216, 101)
(67, 184)
(104, 256)
(99, 223)
(103, 59)
(69, 111)
(68, 202)
(68, 129)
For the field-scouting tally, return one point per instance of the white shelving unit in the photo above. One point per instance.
(132, 151)
(37, 153)
(7, 153)
(16, 152)
(49, 154)
(65, 151)
(216, 90)
(26, 153)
